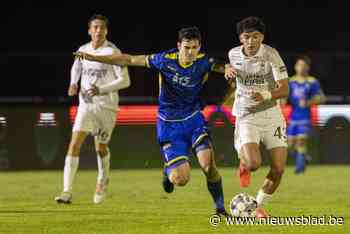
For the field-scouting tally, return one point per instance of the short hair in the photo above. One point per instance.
(305, 58)
(250, 24)
(98, 17)
(191, 33)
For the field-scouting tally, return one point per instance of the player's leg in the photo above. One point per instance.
(176, 166)
(203, 149)
(71, 166)
(179, 174)
(278, 159)
(301, 148)
(206, 159)
(300, 155)
(104, 123)
(275, 140)
(176, 169)
(174, 150)
(292, 133)
(247, 145)
(103, 165)
(82, 127)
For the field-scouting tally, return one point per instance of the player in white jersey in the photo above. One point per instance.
(98, 103)
(261, 79)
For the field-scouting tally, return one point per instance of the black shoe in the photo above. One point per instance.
(167, 185)
(222, 212)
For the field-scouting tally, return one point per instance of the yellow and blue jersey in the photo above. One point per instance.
(302, 90)
(179, 86)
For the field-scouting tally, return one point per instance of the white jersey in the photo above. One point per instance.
(257, 73)
(108, 78)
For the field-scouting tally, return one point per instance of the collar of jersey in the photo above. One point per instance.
(259, 54)
(299, 79)
(175, 56)
(103, 45)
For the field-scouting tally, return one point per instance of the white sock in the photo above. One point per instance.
(70, 168)
(103, 168)
(262, 198)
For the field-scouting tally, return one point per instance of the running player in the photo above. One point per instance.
(261, 79)
(181, 126)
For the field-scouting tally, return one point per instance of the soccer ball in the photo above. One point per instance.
(243, 205)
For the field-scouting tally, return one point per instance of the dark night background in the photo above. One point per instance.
(37, 40)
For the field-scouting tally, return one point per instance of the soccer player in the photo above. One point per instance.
(98, 103)
(305, 91)
(261, 80)
(181, 126)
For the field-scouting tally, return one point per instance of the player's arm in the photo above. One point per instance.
(76, 71)
(281, 91)
(280, 75)
(317, 93)
(115, 59)
(122, 81)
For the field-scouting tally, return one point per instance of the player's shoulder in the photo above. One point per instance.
(293, 78)
(171, 54)
(235, 52)
(84, 47)
(270, 51)
(202, 55)
(112, 46)
(311, 79)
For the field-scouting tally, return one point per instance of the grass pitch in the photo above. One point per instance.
(137, 204)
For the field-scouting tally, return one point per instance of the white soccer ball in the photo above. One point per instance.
(243, 205)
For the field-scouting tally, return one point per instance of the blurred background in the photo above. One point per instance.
(38, 39)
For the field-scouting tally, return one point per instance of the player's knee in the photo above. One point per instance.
(253, 164)
(207, 168)
(102, 152)
(180, 180)
(74, 148)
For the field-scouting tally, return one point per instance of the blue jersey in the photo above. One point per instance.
(301, 91)
(179, 86)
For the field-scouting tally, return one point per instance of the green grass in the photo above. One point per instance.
(136, 203)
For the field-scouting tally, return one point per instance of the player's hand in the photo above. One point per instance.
(257, 97)
(73, 90)
(93, 91)
(230, 72)
(82, 56)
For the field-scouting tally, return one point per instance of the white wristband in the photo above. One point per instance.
(266, 95)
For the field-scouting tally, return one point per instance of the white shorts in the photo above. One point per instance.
(268, 126)
(96, 120)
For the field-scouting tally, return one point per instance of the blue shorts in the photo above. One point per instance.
(176, 139)
(299, 128)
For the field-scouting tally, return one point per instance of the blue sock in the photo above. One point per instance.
(299, 162)
(215, 189)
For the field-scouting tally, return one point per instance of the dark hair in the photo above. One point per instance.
(98, 17)
(191, 33)
(250, 24)
(305, 58)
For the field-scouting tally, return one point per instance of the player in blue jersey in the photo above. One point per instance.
(305, 91)
(181, 127)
